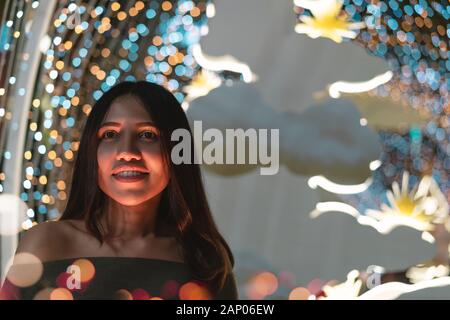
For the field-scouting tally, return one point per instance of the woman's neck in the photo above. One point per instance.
(131, 222)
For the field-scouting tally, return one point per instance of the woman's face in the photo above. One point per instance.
(131, 168)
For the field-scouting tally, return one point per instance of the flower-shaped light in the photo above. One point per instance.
(202, 83)
(347, 290)
(421, 208)
(328, 21)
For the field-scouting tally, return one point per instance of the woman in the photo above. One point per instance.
(140, 221)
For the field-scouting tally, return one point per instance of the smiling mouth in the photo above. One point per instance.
(130, 176)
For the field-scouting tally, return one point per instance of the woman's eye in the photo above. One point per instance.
(109, 135)
(149, 135)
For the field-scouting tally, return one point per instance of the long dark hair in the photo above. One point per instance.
(183, 210)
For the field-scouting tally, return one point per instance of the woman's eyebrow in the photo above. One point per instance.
(116, 124)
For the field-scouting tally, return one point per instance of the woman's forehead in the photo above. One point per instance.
(127, 108)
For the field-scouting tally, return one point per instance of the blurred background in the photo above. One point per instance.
(357, 88)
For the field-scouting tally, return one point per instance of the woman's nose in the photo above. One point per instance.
(127, 150)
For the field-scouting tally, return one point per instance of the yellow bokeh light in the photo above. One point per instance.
(36, 103)
(68, 45)
(59, 65)
(195, 12)
(54, 134)
(52, 155)
(43, 180)
(68, 154)
(173, 60)
(28, 155)
(78, 29)
(94, 69)
(148, 61)
(26, 270)
(166, 5)
(157, 40)
(262, 285)
(45, 198)
(139, 5)
(101, 75)
(62, 112)
(115, 6)
(16, 34)
(299, 293)
(133, 12)
(61, 185)
(87, 269)
(121, 16)
(61, 294)
(105, 52)
(33, 126)
(193, 291)
(75, 101)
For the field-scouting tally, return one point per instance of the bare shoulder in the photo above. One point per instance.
(47, 240)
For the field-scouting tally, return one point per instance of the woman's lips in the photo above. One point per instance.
(139, 177)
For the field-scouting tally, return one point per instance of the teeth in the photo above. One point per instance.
(129, 174)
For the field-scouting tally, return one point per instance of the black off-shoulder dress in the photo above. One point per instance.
(118, 278)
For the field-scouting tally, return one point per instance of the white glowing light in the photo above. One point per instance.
(49, 87)
(185, 105)
(53, 74)
(57, 41)
(428, 237)
(336, 88)
(328, 20)
(45, 44)
(72, 7)
(393, 290)
(201, 85)
(222, 63)
(425, 272)
(322, 207)
(405, 210)
(374, 165)
(347, 290)
(12, 214)
(363, 122)
(324, 183)
(210, 10)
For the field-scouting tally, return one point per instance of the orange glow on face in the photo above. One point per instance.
(193, 291)
(262, 285)
(87, 269)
